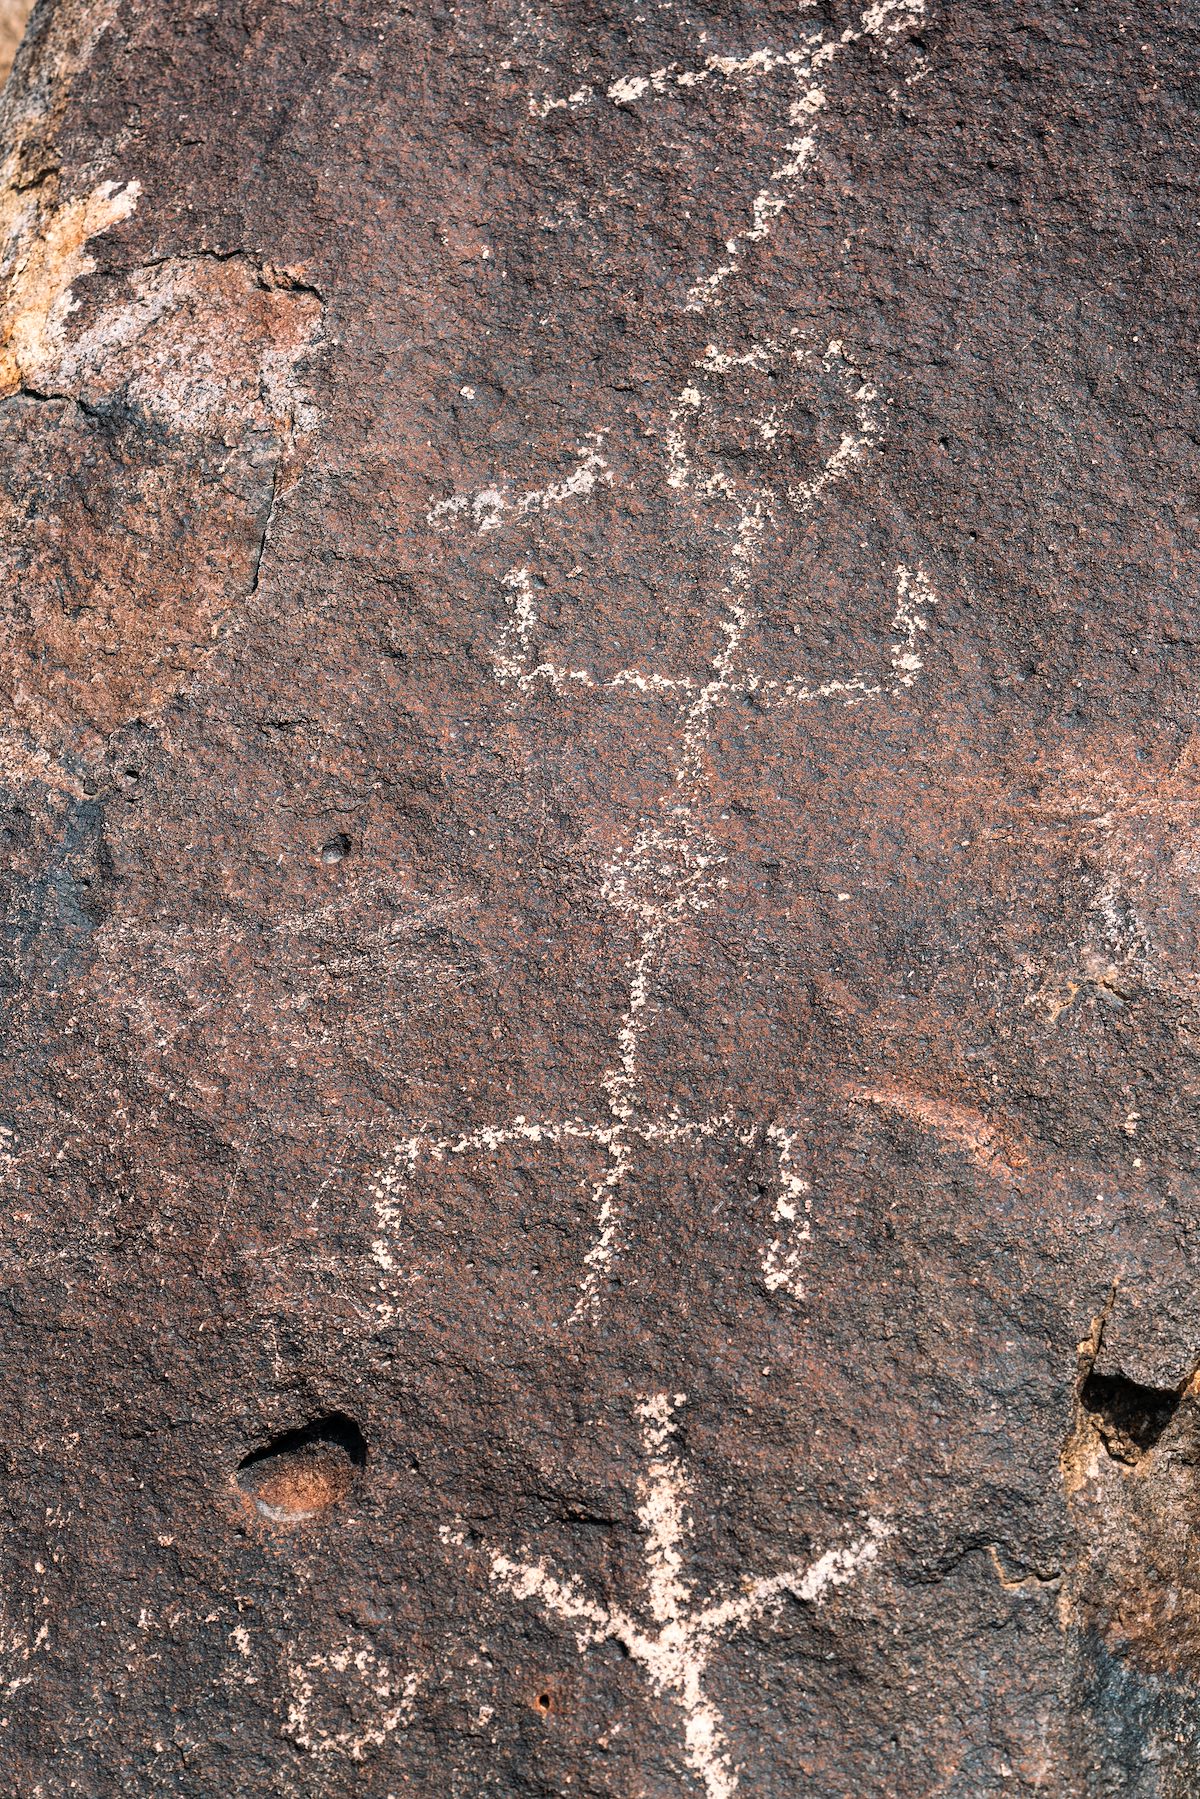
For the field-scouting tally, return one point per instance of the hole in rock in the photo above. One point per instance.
(304, 1473)
(336, 850)
(1130, 1418)
(545, 1701)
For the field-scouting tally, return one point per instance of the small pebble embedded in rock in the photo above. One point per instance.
(304, 1474)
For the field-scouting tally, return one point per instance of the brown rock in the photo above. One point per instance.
(14, 15)
(600, 1040)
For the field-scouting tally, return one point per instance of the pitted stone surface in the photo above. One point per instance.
(600, 1022)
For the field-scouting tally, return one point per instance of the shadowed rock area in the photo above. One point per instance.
(599, 782)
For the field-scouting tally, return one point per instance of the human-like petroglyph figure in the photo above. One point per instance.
(670, 870)
(675, 1643)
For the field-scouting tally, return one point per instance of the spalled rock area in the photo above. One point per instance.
(14, 16)
(600, 1036)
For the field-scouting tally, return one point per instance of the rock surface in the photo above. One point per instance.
(600, 772)
(14, 15)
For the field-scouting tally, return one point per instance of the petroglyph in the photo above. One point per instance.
(783, 1256)
(670, 871)
(799, 65)
(351, 1680)
(523, 908)
(675, 1647)
(487, 509)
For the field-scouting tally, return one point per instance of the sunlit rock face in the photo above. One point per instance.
(597, 785)
(14, 15)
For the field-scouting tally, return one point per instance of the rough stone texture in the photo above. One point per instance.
(14, 15)
(600, 945)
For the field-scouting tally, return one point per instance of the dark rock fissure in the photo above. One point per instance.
(1130, 1417)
